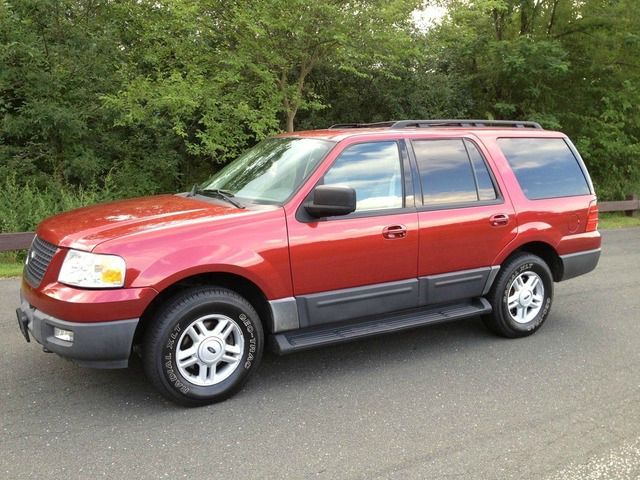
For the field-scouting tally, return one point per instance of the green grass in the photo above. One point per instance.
(8, 270)
(617, 220)
(11, 263)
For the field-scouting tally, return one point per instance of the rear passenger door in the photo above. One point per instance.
(464, 219)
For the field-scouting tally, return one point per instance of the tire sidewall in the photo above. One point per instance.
(527, 264)
(251, 329)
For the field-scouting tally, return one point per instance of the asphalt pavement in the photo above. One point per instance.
(446, 401)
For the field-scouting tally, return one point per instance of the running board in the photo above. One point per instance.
(311, 337)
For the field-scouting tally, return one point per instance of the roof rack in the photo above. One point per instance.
(441, 123)
(465, 123)
(363, 125)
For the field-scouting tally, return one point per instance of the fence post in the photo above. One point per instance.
(631, 213)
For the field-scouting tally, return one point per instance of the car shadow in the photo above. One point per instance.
(129, 387)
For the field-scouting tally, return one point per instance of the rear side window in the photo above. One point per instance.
(452, 171)
(544, 167)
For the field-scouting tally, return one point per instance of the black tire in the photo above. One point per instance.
(501, 320)
(162, 341)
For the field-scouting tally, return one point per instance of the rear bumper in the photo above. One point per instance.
(575, 264)
(96, 345)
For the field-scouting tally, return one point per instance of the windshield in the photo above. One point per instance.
(271, 171)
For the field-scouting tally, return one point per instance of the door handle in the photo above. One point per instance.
(393, 232)
(499, 219)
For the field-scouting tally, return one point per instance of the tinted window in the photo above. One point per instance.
(272, 170)
(445, 172)
(373, 170)
(544, 167)
(486, 190)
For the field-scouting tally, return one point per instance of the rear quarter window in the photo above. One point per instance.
(544, 167)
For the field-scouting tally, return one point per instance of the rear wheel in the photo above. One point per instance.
(203, 346)
(521, 296)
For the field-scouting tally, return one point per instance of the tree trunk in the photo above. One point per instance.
(291, 115)
(497, 23)
(525, 19)
(552, 19)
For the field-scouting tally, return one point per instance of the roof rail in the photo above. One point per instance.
(465, 123)
(441, 123)
(363, 125)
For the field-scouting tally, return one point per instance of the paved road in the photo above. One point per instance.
(449, 401)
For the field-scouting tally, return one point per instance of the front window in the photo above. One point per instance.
(271, 171)
(373, 171)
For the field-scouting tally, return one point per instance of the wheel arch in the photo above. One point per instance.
(237, 283)
(546, 252)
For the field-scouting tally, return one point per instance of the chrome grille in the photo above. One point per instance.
(38, 259)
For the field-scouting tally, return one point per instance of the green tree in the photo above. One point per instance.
(291, 39)
(132, 97)
(182, 80)
(56, 57)
(566, 64)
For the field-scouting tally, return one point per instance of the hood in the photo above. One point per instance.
(87, 227)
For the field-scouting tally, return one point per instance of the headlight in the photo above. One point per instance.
(92, 270)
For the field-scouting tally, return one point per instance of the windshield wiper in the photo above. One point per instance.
(217, 193)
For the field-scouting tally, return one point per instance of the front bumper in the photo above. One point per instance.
(96, 345)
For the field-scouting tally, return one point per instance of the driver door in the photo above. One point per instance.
(363, 263)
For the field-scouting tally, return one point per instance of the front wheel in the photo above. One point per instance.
(521, 296)
(203, 347)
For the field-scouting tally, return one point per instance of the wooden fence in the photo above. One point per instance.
(15, 241)
(628, 206)
(22, 240)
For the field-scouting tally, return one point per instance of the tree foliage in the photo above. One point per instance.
(141, 96)
(570, 65)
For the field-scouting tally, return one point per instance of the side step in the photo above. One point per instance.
(311, 337)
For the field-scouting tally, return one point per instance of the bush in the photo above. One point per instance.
(24, 205)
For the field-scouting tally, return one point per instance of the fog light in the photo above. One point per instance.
(66, 335)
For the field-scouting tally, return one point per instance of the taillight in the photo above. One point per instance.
(592, 217)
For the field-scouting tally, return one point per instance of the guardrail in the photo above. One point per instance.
(628, 206)
(15, 241)
(22, 240)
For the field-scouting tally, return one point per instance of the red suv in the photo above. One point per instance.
(315, 238)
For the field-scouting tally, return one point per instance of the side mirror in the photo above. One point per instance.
(329, 201)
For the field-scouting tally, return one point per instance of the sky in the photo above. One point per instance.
(428, 16)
